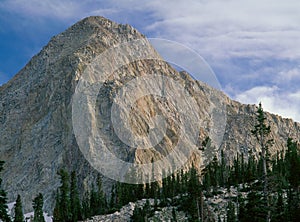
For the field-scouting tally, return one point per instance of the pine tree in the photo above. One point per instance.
(63, 202)
(140, 191)
(279, 212)
(223, 169)
(19, 217)
(251, 168)
(242, 212)
(255, 208)
(261, 132)
(93, 202)
(112, 203)
(57, 217)
(37, 204)
(138, 215)
(74, 199)
(65, 195)
(215, 172)
(154, 186)
(3, 200)
(207, 178)
(174, 218)
(293, 170)
(231, 212)
(98, 199)
(194, 191)
(147, 210)
(86, 212)
(293, 163)
(101, 197)
(147, 190)
(164, 189)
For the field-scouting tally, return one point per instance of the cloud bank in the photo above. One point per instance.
(286, 104)
(253, 46)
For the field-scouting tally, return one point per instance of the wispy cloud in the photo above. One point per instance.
(249, 44)
(274, 100)
(47, 8)
(233, 28)
(216, 29)
(288, 76)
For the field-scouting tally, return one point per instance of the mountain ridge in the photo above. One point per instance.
(36, 105)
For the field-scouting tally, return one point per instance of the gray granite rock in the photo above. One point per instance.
(37, 136)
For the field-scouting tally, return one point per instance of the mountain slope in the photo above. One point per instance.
(37, 135)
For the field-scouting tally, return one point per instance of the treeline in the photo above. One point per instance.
(70, 207)
(283, 170)
(246, 176)
(273, 185)
(37, 205)
(268, 189)
(186, 191)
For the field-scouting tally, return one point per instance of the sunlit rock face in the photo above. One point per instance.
(37, 130)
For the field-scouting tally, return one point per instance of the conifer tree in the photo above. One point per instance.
(93, 202)
(63, 203)
(194, 190)
(279, 211)
(140, 191)
(242, 212)
(74, 199)
(154, 186)
(65, 195)
(231, 212)
(255, 208)
(147, 190)
(147, 209)
(174, 218)
(215, 172)
(86, 212)
(292, 160)
(293, 163)
(138, 215)
(3, 200)
(223, 170)
(97, 198)
(37, 204)
(251, 168)
(57, 217)
(262, 132)
(112, 203)
(19, 217)
(101, 197)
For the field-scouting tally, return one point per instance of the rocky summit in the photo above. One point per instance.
(37, 112)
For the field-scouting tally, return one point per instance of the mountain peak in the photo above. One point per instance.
(37, 135)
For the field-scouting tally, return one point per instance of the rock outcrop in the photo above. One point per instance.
(36, 128)
(126, 213)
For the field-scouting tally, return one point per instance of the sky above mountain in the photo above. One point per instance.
(252, 46)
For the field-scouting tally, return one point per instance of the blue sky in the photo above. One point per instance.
(252, 46)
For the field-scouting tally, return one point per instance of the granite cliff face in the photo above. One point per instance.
(37, 135)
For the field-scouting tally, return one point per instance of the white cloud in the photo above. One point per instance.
(46, 8)
(232, 28)
(264, 34)
(215, 28)
(288, 76)
(286, 104)
(56, 9)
